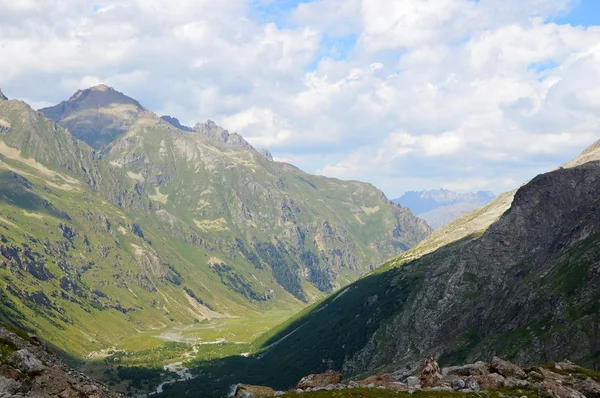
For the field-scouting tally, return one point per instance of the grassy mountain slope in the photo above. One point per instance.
(516, 278)
(167, 228)
(314, 234)
(85, 271)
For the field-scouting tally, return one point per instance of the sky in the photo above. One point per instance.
(406, 94)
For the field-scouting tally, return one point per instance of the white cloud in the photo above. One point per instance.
(455, 93)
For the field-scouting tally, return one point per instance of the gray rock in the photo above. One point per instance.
(588, 387)
(473, 369)
(8, 386)
(413, 381)
(513, 382)
(438, 388)
(458, 384)
(473, 385)
(507, 369)
(279, 393)
(555, 389)
(25, 361)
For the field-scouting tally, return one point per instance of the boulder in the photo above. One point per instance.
(554, 389)
(458, 384)
(249, 391)
(567, 365)
(473, 385)
(490, 381)
(474, 369)
(548, 374)
(413, 381)
(588, 387)
(8, 386)
(513, 382)
(319, 380)
(27, 362)
(378, 380)
(507, 369)
(429, 373)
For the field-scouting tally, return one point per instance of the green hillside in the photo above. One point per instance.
(161, 242)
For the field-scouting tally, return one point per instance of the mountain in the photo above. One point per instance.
(439, 207)
(150, 227)
(173, 121)
(97, 115)
(517, 278)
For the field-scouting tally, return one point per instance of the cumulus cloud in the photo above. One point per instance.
(406, 94)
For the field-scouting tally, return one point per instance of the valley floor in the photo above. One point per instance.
(144, 361)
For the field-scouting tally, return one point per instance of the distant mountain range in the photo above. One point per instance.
(439, 207)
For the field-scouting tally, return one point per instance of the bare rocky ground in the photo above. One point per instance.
(29, 369)
(502, 378)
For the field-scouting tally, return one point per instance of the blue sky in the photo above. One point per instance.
(583, 12)
(405, 94)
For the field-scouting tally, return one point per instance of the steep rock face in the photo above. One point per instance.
(2, 96)
(515, 279)
(525, 289)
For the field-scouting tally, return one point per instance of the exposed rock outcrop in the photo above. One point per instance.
(29, 369)
(319, 380)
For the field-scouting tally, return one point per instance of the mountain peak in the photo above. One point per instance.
(97, 115)
(212, 130)
(2, 96)
(99, 96)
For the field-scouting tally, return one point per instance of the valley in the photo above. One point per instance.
(163, 245)
(169, 259)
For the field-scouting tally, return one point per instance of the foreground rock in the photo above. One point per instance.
(429, 373)
(319, 380)
(560, 380)
(507, 369)
(248, 391)
(554, 389)
(474, 369)
(28, 369)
